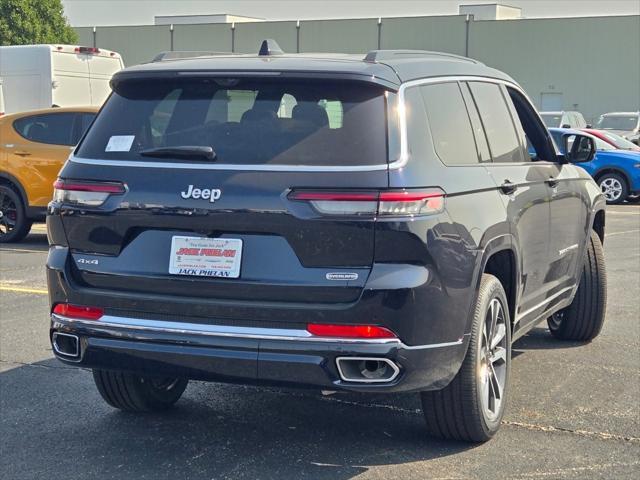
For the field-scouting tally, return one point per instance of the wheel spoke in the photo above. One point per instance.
(495, 384)
(498, 355)
(498, 336)
(493, 309)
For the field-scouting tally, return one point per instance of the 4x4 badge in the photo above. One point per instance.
(211, 194)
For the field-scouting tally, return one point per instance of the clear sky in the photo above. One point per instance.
(141, 12)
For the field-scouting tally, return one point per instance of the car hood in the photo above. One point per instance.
(622, 133)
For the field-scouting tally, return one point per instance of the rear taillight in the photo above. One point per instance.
(349, 331)
(87, 194)
(396, 203)
(76, 311)
(91, 50)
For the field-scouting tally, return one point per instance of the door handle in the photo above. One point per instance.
(508, 187)
(552, 182)
(22, 154)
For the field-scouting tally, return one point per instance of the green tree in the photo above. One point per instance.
(24, 22)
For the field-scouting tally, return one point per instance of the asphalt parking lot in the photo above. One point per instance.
(574, 410)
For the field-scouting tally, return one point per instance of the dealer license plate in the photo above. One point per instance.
(205, 257)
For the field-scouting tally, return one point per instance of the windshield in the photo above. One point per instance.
(619, 142)
(551, 120)
(244, 121)
(618, 122)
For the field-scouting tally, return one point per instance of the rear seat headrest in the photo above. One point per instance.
(257, 115)
(311, 112)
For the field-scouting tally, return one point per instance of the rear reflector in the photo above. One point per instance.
(395, 203)
(89, 194)
(349, 331)
(76, 311)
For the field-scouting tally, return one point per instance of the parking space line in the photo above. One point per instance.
(10, 288)
(23, 250)
(621, 233)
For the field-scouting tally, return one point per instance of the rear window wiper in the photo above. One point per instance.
(187, 151)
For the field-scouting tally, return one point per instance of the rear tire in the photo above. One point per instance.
(133, 393)
(464, 409)
(583, 319)
(614, 187)
(14, 224)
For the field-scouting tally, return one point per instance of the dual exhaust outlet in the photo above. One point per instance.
(367, 369)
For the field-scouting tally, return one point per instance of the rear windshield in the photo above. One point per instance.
(618, 122)
(244, 121)
(551, 120)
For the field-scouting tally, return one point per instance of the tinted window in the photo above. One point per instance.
(449, 123)
(245, 121)
(83, 121)
(478, 130)
(550, 120)
(498, 125)
(53, 128)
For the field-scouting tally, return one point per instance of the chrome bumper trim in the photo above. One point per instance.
(161, 326)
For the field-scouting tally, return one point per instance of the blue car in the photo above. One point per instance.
(616, 171)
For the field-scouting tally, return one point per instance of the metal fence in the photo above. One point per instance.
(589, 64)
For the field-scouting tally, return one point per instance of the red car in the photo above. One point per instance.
(612, 139)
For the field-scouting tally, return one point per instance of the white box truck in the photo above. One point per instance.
(42, 76)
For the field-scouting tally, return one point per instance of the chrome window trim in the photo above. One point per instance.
(257, 333)
(395, 165)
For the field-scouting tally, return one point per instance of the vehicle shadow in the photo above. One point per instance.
(54, 423)
(539, 338)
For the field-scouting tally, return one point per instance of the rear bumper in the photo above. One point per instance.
(251, 355)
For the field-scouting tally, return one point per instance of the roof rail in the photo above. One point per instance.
(382, 55)
(270, 47)
(176, 55)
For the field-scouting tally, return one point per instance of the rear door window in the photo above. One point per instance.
(498, 124)
(53, 128)
(245, 121)
(449, 122)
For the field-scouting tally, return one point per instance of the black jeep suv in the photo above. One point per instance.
(372, 224)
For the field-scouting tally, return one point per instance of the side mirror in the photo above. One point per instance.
(578, 148)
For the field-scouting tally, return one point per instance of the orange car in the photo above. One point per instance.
(33, 147)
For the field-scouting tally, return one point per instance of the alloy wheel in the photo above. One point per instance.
(611, 188)
(493, 360)
(8, 214)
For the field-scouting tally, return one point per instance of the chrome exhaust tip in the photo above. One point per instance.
(66, 344)
(367, 369)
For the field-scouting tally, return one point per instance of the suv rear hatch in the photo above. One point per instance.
(250, 189)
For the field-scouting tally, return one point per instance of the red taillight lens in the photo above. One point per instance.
(383, 203)
(339, 203)
(88, 194)
(409, 203)
(349, 331)
(76, 311)
(91, 50)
